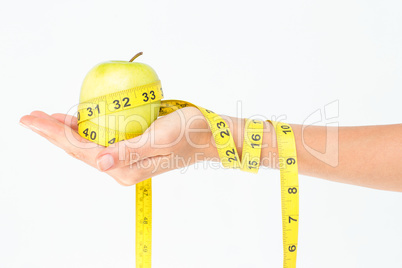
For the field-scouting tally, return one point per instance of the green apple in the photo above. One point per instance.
(113, 76)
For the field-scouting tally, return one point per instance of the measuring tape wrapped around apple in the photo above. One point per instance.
(120, 99)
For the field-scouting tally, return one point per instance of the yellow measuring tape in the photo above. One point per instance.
(250, 159)
(289, 191)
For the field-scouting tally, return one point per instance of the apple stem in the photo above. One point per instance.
(136, 56)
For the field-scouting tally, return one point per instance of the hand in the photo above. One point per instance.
(176, 140)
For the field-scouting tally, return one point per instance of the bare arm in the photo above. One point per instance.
(369, 156)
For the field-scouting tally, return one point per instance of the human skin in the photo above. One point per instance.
(368, 156)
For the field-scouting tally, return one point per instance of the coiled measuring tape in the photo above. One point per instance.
(250, 159)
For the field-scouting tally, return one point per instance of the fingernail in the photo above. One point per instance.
(36, 128)
(105, 162)
(22, 124)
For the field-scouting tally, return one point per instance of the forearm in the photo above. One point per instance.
(369, 156)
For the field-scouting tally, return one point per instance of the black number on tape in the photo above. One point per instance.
(292, 190)
(126, 100)
(220, 124)
(256, 137)
(292, 248)
(291, 219)
(90, 113)
(252, 164)
(253, 144)
(152, 94)
(112, 141)
(287, 129)
(93, 135)
(209, 111)
(78, 116)
(291, 161)
(145, 95)
(225, 133)
(117, 103)
(228, 152)
(232, 159)
(97, 108)
(256, 122)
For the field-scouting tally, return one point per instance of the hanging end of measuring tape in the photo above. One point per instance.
(289, 191)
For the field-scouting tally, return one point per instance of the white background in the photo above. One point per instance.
(279, 58)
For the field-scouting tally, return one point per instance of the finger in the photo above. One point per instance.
(67, 119)
(88, 156)
(42, 114)
(27, 122)
(63, 137)
(160, 139)
(127, 152)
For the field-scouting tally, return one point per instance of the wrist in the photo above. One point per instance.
(269, 151)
